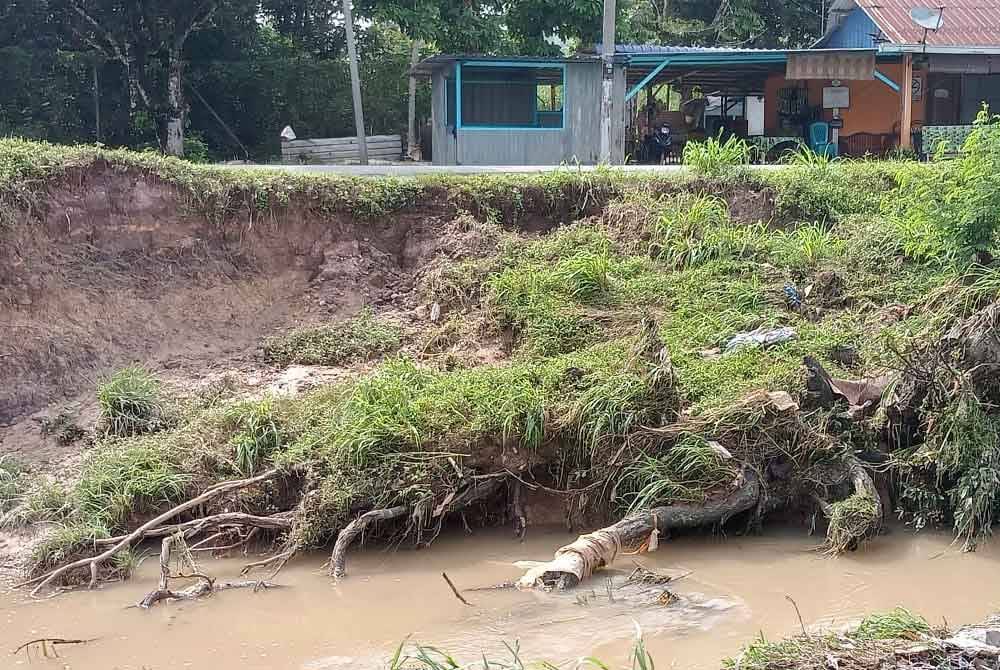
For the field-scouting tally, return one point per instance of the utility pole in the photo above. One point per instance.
(359, 115)
(607, 80)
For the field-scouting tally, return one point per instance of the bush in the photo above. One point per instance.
(362, 338)
(952, 214)
(131, 403)
(715, 158)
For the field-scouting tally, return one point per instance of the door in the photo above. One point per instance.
(944, 105)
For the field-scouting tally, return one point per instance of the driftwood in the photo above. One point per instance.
(577, 561)
(205, 585)
(143, 531)
(47, 644)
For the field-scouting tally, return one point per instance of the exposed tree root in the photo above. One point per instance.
(142, 532)
(338, 559)
(856, 518)
(577, 561)
(205, 586)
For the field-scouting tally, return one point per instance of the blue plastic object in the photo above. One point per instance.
(819, 139)
(792, 296)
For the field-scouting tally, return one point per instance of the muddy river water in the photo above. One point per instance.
(736, 588)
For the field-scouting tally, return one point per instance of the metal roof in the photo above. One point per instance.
(665, 50)
(428, 65)
(967, 23)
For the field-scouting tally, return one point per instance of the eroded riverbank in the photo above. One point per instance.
(736, 588)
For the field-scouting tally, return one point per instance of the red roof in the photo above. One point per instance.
(967, 23)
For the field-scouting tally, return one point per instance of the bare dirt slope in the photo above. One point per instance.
(119, 268)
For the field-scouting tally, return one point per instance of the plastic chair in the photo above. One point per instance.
(819, 139)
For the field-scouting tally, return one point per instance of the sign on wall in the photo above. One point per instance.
(918, 87)
(836, 97)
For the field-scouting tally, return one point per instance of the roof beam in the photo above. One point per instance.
(888, 82)
(648, 78)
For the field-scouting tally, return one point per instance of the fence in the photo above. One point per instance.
(341, 150)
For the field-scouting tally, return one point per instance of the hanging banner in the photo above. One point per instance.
(853, 65)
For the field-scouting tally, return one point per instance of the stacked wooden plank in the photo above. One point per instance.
(341, 150)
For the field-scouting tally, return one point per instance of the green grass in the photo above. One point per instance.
(686, 473)
(258, 434)
(131, 403)
(12, 484)
(872, 643)
(359, 339)
(120, 481)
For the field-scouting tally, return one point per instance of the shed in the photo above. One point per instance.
(519, 111)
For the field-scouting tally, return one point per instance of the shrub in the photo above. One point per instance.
(131, 403)
(952, 214)
(361, 338)
(715, 158)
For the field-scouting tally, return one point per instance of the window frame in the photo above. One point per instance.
(509, 65)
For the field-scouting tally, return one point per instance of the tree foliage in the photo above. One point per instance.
(264, 64)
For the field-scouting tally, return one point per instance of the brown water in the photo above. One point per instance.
(737, 589)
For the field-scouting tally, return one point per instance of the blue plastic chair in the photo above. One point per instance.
(819, 139)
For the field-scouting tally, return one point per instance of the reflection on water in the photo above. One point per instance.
(735, 589)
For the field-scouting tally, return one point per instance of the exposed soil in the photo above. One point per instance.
(117, 269)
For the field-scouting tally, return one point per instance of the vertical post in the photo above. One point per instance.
(607, 79)
(352, 54)
(412, 144)
(97, 103)
(906, 90)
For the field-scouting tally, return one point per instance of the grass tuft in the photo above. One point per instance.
(359, 339)
(131, 403)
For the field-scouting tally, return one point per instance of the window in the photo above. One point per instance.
(498, 95)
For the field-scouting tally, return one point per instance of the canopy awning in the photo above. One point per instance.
(848, 65)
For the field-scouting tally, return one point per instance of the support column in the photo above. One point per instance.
(352, 54)
(607, 80)
(906, 91)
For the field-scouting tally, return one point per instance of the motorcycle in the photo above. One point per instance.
(660, 145)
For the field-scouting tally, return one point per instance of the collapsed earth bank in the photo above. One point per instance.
(572, 347)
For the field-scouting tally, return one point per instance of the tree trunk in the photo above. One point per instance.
(577, 561)
(174, 140)
(412, 141)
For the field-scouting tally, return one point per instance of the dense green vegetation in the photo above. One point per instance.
(263, 64)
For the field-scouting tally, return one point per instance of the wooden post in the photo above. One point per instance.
(607, 79)
(906, 90)
(359, 115)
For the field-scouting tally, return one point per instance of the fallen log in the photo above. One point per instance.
(140, 533)
(577, 561)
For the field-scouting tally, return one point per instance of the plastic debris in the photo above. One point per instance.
(760, 338)
(792, 297)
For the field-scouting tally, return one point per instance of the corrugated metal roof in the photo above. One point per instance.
(967, 23)
(660, 49)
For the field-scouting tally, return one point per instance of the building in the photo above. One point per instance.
(877, 81)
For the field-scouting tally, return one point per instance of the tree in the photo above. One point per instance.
(148, 37)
